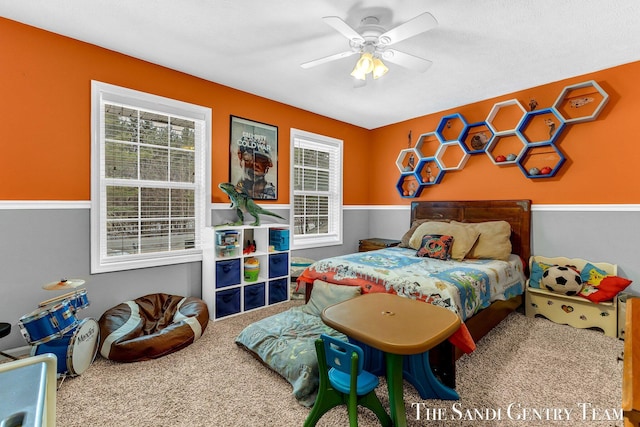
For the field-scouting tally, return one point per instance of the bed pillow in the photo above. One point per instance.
(404, 241)
(599, 285)
(325, 294)
(436, 246)
(463, 238)
(494, 241)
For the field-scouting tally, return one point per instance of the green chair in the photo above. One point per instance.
(345, 383)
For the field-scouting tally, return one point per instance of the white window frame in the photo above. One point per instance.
(102, 93)
(335, 148)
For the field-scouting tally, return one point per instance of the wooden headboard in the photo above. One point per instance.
(515, 212)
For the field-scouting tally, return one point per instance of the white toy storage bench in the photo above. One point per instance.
(575, 311)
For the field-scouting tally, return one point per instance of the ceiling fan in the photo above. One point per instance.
(373, 43)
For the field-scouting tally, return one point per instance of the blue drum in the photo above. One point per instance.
(48, 323)
(76, 350)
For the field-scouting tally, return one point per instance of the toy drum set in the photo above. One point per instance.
(55, 328)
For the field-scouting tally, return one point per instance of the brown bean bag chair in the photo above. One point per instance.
(151, 326)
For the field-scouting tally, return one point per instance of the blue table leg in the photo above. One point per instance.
(395, 386)
(418, 372)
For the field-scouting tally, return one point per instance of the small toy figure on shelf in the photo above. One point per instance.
(250, 248)
(412, 162)
(577, 103)
(532, 104)
(552, 126)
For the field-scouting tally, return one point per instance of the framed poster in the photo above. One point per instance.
(253, 158)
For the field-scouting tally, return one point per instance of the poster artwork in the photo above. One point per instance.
(254, 158)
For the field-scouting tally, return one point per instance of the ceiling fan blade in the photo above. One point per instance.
(343, 28)
(406, 60)
(327, 59)
(412, 27)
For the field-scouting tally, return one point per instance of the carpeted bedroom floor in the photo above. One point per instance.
(526, 372)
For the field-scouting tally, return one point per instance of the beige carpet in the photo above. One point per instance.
(529, 365)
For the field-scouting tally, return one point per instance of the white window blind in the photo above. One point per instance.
(149, 179)
(317, 189)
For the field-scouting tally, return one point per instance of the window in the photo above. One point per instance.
(316, 172)
(149, 179)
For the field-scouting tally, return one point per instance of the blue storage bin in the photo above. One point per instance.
(227, 302)
(254, 296)
(278, 265)
(227, 273)
(278, 290)
(279, 239)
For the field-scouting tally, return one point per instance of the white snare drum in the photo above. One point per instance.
(76, 350)
(47, 323)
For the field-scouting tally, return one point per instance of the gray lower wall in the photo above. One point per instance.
(38, 246)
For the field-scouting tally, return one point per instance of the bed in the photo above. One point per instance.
(481, 300)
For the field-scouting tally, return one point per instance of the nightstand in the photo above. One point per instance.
(374, 243)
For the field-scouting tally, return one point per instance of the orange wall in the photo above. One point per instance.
(602, 155)
(45, 93)
(45, 146)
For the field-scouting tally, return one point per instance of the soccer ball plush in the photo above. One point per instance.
(561, 279)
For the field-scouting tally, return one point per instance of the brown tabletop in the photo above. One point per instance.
(392, 323)
(399, 327)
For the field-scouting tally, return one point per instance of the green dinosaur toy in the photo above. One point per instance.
(243, 203)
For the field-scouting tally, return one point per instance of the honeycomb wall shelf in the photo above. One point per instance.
(428, 144)
(581, 102)
(429, 171)
(451, 156)
(541, 157)
(505, 117)
(541, 126)
(408, 185)
(509, 136)
(510, 146)
(407, 160)
(475, 137)
(451, 127)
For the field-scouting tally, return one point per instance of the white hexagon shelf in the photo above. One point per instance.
(541, 126)
(506, 149)
(506, 116)
(407, 160)
(428, 144)
(581, 102)
(451, 156)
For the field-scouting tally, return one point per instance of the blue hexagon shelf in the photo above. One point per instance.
(476, 137)
(451, 127)
(541, 126)
(541, 161)
(408, 185)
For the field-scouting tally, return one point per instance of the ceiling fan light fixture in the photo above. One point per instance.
(365, 63)
(379, 69)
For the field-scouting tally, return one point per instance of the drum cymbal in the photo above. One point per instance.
(63, 284)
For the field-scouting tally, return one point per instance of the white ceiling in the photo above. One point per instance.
(480, 49)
